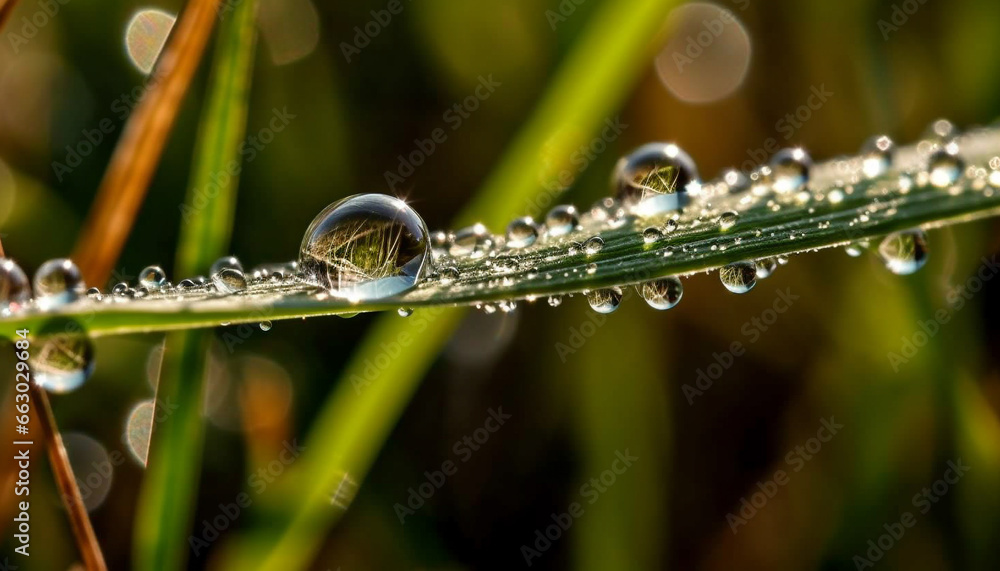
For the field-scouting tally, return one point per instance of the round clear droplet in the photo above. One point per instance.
(877, 156)
(405, 311)
(473, 241)
(593, 245)
(226, 262)
(62, 363)
(15, 290)
(153, 278)
(656, 178)
(663, 293)
(728, 219)
(521, 233)
(739, 277)
(944, 168)
(651, 235)
(367, 246)
(904, 252)
(790, 170)
(766, 267)
(230, 280)
(58, 282)
(265, 326)
(605, 300)
(561, 220)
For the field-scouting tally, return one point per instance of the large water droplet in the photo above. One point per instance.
(904, 252)
(58, 282)
(366, 246)
(153, 278)
(654, 170)
(473, 241)
(561, 220)
(739, 277)
(605, 300)
(945, 167)
(662, 293)
(15, 290)
(593, 245)
(521, 233)
(790, 170)
(62, 363)
(877, 155)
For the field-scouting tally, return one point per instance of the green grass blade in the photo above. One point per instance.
(351, 428)
(170, 489)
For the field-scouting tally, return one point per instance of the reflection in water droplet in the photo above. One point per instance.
(62, 362)
(877, 155)
(736, 181)
(765, 267)
(605, 300)
(229, 280)
(366, 246)
(650, 235)
(555, 300)
(58, 282)
(739, 277)
(264, 326)
(145, 36)
(662, 293)
(944, 168)
(15, 290)
(728, 219)
(658, 177)
(670, 225)
(473, 241)
(405, 311)
(593, 245)
(153, 278)
(790, 170)
(561, 220)
(904, 252)
(521, 233)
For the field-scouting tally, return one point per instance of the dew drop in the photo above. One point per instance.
(877, 155)
(366, 246)
(95, 294)
(670, 226)
(62, 363)
(857, 248)
(441, 240)
(405, 311)
(186, 284)
(790, 170)
(605, 300)
(728, 219)
(554, 300)
(662, 293)
(736, 181)
(521, 233)
(650, 235)
(226, 262)
(593, 245)
(661, 173)
(591, 269)
(472, 241)
(229, 280)
(944, 167)
(449, 274)
(507, 306)
(15, 290)
(739, 277)
(562, 220)
(58, 282)
(904, 252)
(765, 267)
(153, 278)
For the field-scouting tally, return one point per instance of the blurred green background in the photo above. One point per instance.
(620, 386)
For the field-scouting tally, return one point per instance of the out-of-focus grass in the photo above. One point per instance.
(170, 488)
(352, 426)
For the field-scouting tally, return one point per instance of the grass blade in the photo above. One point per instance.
(138, 152)
(171, 486)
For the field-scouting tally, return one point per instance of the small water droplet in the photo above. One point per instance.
(728, 219)
(441, 240)
(186, 284)
(264, 326)
(449, 274)
(366, 246)
(15, 290)
(555, 300)
(58, 282)
(904, 252)
(95, 294)
(877, 155)
(226, 262)
(229, 280)
(662, 293)
(736, 181)
(153, 278)
(472, 241)
(593, 245)
(661, 172)
(591, 269)
(508, 306)
(605, 300)
(790, 170)
(739, 277)
(521, 233)
(405, 311)
(489, 308)
(62, 363)
(561, 220)
(944, 167)
(670, 226)
(765, 267)
(857, 248)
(650, 235)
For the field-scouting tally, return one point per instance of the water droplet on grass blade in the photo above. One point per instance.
(856, 249)
(661, 173)
(728, 219)
(367, 246)
(765, 267)
(15, 290)
(521, 233)
(153, 278)
(662, 293)
(405, 311)
(944, 167)
(473, 241)
(226, 262)
(264, 326)
(877, 155)
(904, 252)
(739, 277)
(650, 235)
(229, 280)
(58, 282)
(561, 220)
(790, 170)
(605, 300)
(62, 362)
(593, 245)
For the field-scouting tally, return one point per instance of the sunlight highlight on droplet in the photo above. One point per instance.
(707, 55)
(145, 36)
